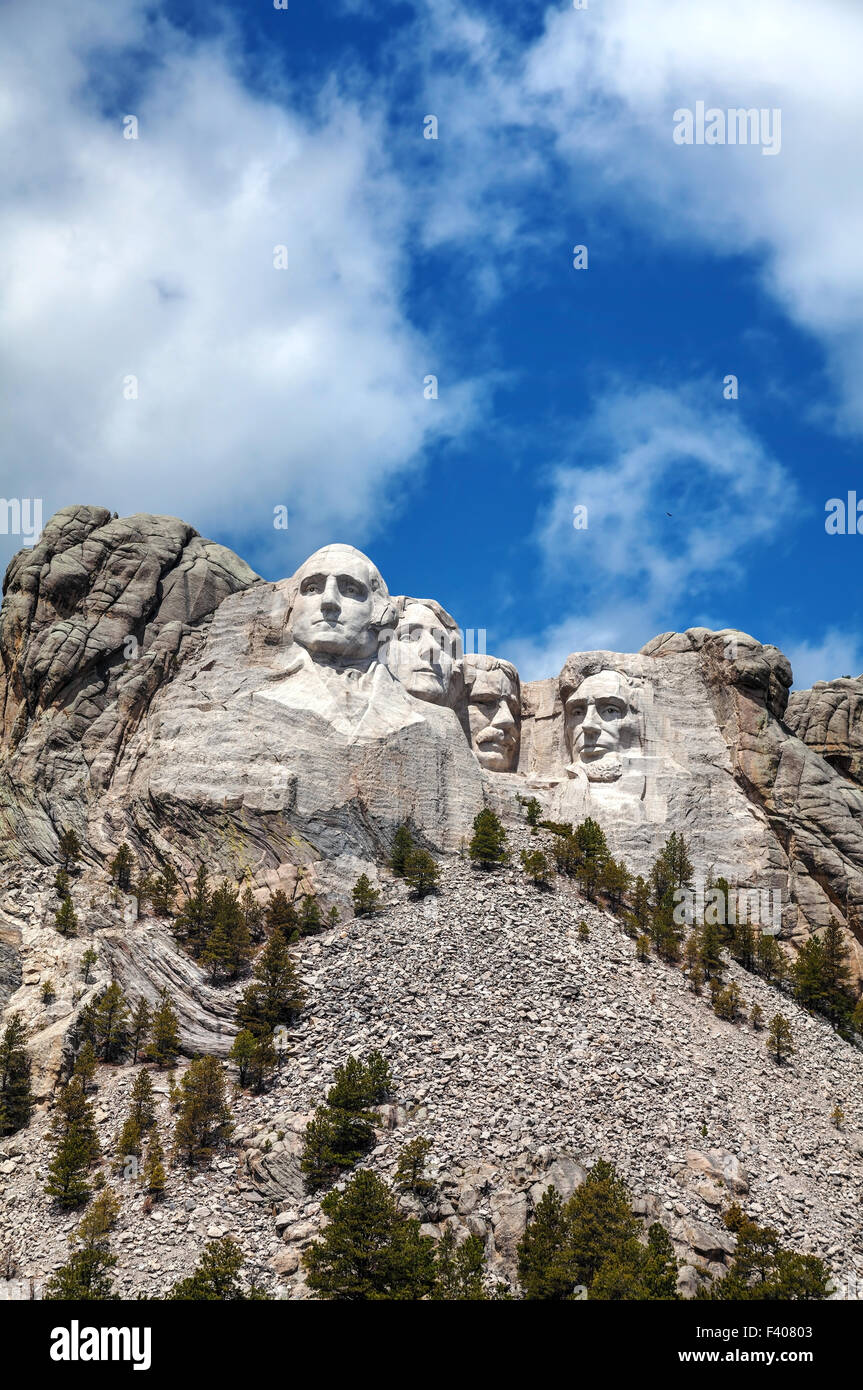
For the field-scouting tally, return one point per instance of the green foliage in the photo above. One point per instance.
(255, 1058)
(421, 872)
(16, 1099)
(532, 811)
(107, 1021)
(341, 1131)
(195, 919)
(488, 846)
(780, 1039)
(70, 848)
(590, 1245)
(311, 917)
(85, 1064)
(75, 1147)
(164, 1033)
(275, 996)
(365, 898)
(821, 977)
(281, 915)
(66, 919)
(642, 948)
(61, 884)
(402, 846)
(216, 1277)
(537, 867)
(121, 868)
(47, 992)
(88, 960)
(139, 1026)
(756, 1018)
(459, 1269)
(410, 1168)
(86, 1275)
(583, 931)
(204, 1120)
(762, 1269)
(369, 1249)
(615, 882)
(726, 1002)
(154, 1165)
(227, 948)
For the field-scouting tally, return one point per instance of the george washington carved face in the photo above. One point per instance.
(340, 602)
(601, 723)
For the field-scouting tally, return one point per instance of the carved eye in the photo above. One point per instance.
(578, 712)
(610, 711)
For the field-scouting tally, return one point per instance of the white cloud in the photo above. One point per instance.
(635, 571)
(836, 654)
(154, 258)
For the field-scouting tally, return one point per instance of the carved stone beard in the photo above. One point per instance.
(606, 769)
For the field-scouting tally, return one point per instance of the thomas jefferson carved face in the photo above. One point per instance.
(420, 654)
(338, 603)
(600, 724)
(494, 712)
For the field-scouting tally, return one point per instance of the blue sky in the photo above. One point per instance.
(257, 127)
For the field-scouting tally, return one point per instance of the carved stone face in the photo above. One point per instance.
(419, 654)
(600, 725)
(494, 713)
(335, 604)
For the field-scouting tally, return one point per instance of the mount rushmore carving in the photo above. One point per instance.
(154, 688)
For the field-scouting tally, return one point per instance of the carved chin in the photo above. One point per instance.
(493, 760)
(608, 768)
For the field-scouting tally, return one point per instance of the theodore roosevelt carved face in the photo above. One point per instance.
(494, 711)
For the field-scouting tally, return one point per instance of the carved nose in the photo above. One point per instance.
(503, 719)
(330, 597)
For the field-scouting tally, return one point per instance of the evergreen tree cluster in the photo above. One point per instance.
(589, 1247)
(415, 865)
(341, 1131)
(16, 1098)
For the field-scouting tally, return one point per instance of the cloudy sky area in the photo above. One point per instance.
(304, 387)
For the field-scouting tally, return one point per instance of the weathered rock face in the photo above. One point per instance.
(829, 718)
(94, 619)
(690, 735)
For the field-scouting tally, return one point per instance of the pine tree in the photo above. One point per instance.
(532, 811)
(164, 1033)
(780, 1040)
(615, 881)
(143, 1104)
(726, 1003)
(139, 1027)
(710, 956)
(808, 975)
(537, 867)
(85, 1064)
(228, 947)
(154, 1165)
(204, 1120)
(70, 848)
(130, 1144)
(839, 998)
(110, 1023)
(837, 1116)
(642, 948)
(402, 847)
(369, 1249)
(242, 1053)
(75, 1147)
(546, 1267)
(275, 996)
(600, 1218)
(253, 915)
(422, 872)
(194, 921)
(763, 1270)
(311, 918)
(744, 946)
(16, 1099)
(410, 1168)
(86, 1275)
(216, 1277)
(61, 884)
(121, 868)
(164, 891)
(459, 1269)
(342, 1131)
(66, 919)
(365, 898)
(88, 960)
(756, 1018)
(488, 847)
(282, 915)
(641, 904)
(770, 960)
